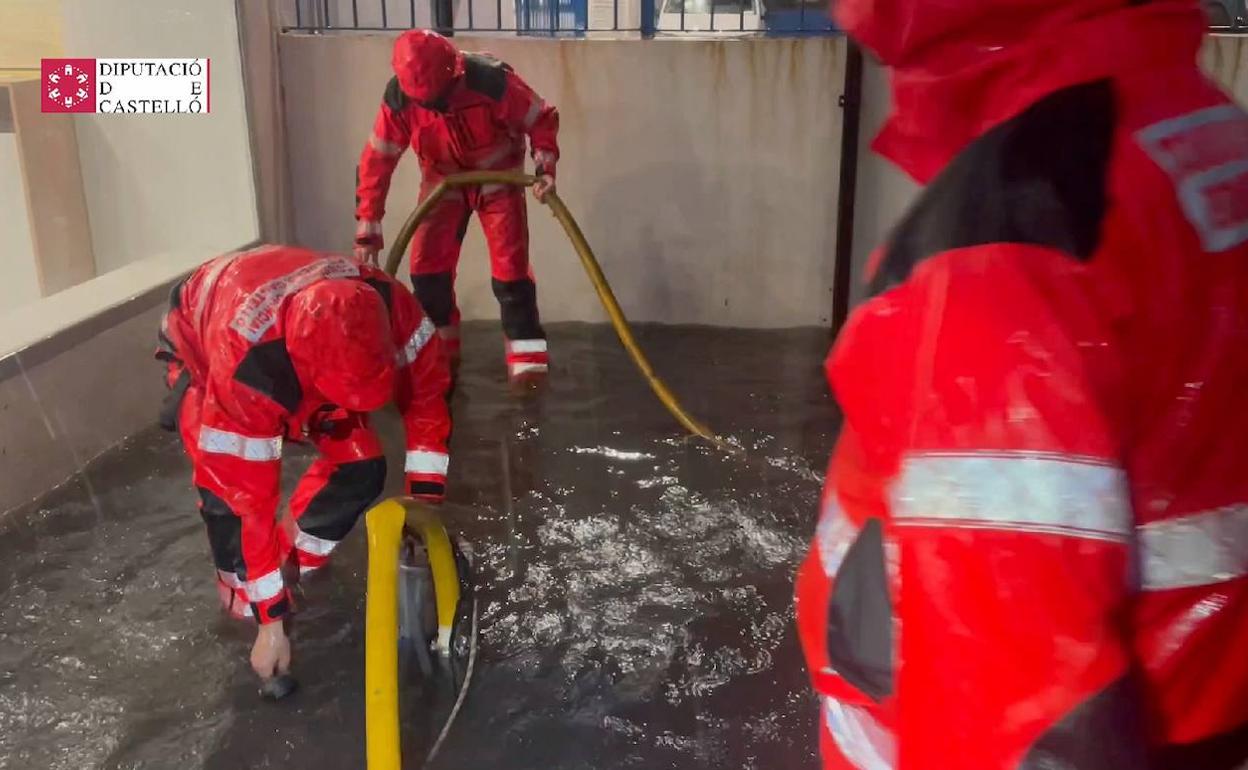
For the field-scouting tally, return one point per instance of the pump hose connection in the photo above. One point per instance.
(592, 268)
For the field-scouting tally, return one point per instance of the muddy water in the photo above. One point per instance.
(635, 586)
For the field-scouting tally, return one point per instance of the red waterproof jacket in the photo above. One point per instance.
(488, 112)
(231, 329)
(1033, 549)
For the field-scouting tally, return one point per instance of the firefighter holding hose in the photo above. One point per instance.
(462, 112)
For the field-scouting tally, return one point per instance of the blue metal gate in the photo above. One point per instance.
(552, 18)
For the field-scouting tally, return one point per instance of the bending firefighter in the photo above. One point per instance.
(1033, 548)
(284, 344)
(459, 113)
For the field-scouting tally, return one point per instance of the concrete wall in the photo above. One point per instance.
(170, 183)
(63, 403)
(1225, 58)
(29, 31)
(19, 282)
(164, 193)
(703, 172)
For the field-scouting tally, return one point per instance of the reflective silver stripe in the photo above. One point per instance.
(1159, 132)
(384, 147)
(1205, 153)
(863, 741)
(520, 347)
(1194, 550)
(422, 461)
(223, 442)
(1021, 491)
(416, 343)
(317, 546)
(499, 154)
(265, 587)
(368, 227)
(833, 536)
(1195, 194)
(535, 111)
(207, 283)
(520, 367)
(260, 310)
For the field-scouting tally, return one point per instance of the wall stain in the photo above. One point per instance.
(567, 62)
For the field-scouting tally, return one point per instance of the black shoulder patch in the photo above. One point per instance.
(1038, 178)
(394, 97)
(485, 75)
(267, 369)
(384, 289)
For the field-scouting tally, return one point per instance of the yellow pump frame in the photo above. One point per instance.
(386, 522)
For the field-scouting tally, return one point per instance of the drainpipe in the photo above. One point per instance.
(851, 106)
(444, 17)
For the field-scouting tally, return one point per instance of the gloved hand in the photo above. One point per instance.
(368, 249)
(368, 241)
(270, 655)
(544, 186)
(544, 168)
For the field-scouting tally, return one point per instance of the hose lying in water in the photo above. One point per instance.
(592, 267)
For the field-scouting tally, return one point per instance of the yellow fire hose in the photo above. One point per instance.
(385, 522)
(592, 267)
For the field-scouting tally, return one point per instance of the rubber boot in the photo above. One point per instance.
(528, 363)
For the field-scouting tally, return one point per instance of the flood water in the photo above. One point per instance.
(635, 586)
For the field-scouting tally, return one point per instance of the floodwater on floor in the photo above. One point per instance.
(635, 586)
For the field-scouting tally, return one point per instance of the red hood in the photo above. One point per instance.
(426, 64)
(959, 67)
(338, 335)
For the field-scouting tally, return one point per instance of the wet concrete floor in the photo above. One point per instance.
(635, 585)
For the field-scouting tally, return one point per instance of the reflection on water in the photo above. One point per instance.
(635, 585)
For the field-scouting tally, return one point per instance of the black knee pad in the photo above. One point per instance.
(225, 532)
(517, 303)
(436, 294)
(351, 488)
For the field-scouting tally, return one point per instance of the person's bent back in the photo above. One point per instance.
(284, 344)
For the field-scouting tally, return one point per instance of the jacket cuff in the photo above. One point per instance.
(426, 487)
(426, 473)
(368, 233)
(269, 598)
(544, 162)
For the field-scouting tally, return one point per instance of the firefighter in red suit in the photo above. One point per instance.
(1033, 546)
(462, 112)
(283, 344)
